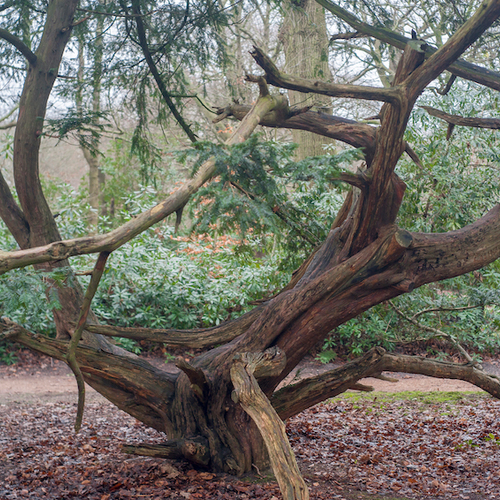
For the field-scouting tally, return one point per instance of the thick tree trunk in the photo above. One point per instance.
(365, 260)
(305, 42)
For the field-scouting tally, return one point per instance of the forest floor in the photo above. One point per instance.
(420, 438)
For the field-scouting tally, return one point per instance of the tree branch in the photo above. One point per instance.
(6, 126)
(295, 398)
(282, 80)
(490, 123)
(12, 215)
(197, 337)
(154, 71)
(434, 257)
(77, 334)
(437, 333)
(459, 68)
(61, 250)
(456, 45)
(442, 309)
(131, 383)
(19, 45)
(441, 369)
(250, 396)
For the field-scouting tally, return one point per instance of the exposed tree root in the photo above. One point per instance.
(195, 451)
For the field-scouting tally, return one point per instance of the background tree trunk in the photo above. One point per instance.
(305, 41)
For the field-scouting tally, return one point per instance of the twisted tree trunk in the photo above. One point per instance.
(365, 260)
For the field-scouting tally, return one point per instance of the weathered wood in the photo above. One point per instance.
(463, 121)
(249, 395)
(282, 80)
(193, 450)
(442, 369)
(195, 337)
(295, 398)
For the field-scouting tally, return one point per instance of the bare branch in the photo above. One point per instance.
(463, 121)
(440, 309)
(190, 338)
(295, 398)
(77, 334)
(6, 126)
(19, 45)
(441, 369)
(459, 68)
(61, 250)
(436, 332)
(456, 45)
(282, 80)
(250, 396)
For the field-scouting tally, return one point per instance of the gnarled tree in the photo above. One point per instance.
(366, 259)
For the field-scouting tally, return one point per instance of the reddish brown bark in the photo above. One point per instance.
(365, 260)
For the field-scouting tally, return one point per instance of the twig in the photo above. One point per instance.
(438, 309)
(437, 333)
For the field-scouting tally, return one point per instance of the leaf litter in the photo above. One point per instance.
(407, 449)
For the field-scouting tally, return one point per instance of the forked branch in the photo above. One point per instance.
(464, 121)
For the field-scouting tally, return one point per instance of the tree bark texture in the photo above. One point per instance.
(365, 260)
(305, 42)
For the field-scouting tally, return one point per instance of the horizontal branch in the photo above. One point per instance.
(109, 242)
(459, 68)
(192, 338)
(18, 44)
(132, 384)
(490, 123)
(295, 398)
(282, 80)
(441, 369)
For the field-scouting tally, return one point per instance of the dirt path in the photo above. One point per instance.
(51, 381)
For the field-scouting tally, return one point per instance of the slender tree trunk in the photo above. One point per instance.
(96, 175)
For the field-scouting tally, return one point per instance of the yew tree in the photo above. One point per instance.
(223, 410)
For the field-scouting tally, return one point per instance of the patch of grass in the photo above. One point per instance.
(419, 396)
